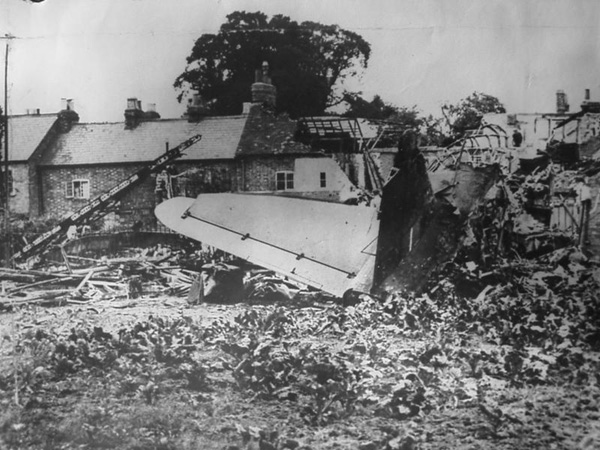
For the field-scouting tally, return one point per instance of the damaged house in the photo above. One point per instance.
(549, 180)
(255, 151)
(29, 136)
(88, 159)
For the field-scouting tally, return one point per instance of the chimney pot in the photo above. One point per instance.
(262, 90)
(132, 103)
(133, 113)
(150, 113)
(67, 104)
(197, 108)
(67, 115)
(587, 94)
(562, 105)
(196, 100)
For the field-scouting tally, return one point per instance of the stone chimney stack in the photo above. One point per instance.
(197, 108)
(67, 116)
(562, 104)
(151, 113)
(133, 113)
(262, 89)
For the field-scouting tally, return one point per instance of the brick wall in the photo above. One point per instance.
(136, 205)
(19, 198)
(35, 187)
(258, 173)
(54, 180)
(214, 176)
(594, 223)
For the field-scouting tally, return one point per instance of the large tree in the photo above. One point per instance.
(376, 109)
(306, 62)
(468, 112)
(403, 117)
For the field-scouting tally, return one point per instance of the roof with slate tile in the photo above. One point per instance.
(109, 143)
(25, 134)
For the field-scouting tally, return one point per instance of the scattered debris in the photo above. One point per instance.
(149, 271)
(200, 275)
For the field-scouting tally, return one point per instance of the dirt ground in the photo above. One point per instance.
(155, 373)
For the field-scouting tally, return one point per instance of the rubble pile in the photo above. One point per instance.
(198, 274)
(529, 215)
(152, 271)
(522, 274)
(549, 301)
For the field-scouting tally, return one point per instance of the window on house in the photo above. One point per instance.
(78, 189)
(284, 180)
(323, 179)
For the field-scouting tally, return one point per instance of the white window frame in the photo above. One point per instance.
(288, 180)
(82, 193)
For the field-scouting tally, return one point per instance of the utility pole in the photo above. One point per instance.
(7, 233)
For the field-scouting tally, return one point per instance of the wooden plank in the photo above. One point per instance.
(107, 283)
(40, 299)
(21, 278)
(96, 269)
(66, 258)
(38, 273)
(39, 283)
(196, 293)
(84, 259)
(85, 280)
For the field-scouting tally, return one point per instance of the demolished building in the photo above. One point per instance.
(416, 208)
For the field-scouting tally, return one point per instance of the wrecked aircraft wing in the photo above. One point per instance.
(328, 246)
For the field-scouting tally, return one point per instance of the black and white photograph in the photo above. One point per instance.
(300, 225)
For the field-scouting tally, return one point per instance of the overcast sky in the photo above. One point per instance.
(424, 52)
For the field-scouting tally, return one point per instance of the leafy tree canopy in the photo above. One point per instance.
(375, 109)
(467, 113)
(306, 61)
(428, 127)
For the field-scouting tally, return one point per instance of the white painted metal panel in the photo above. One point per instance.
(326, 245)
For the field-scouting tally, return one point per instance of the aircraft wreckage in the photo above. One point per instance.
(334, 247)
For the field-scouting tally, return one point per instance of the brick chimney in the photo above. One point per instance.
(151, 113)
(67, 116)
(588, 105)
(562, 104)
(197, 108)
(262, 90)
(133, 113)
